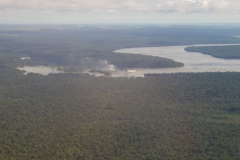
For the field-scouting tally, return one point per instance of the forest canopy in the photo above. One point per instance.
(227, 52)
(67, 116)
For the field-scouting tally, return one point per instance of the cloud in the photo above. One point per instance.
(93, 6)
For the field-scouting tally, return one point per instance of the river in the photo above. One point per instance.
(193, 61)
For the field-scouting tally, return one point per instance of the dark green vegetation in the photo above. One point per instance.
(81, 117)
(67, 116)
(140, 61)
(227, 52)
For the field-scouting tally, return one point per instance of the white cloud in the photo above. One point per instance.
(119, 11)
(164, 6)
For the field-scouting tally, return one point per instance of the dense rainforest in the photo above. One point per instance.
(171, 116)
(82, 117)
(227, 52)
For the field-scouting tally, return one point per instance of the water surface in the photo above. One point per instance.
(193, 61)
(43, 70)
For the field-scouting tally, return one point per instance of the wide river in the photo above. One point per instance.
(193, 61)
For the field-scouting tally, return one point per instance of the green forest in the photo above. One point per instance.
(171, 116)
(227, 52)
(81, 117)
(139, 61)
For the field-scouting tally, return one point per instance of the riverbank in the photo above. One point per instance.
(193, 61)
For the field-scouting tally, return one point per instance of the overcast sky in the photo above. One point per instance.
(119, 11)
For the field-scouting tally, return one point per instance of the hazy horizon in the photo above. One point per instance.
(117, 12)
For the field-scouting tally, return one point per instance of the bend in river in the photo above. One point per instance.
(193, 61)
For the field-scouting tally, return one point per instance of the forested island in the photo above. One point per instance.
(82, 117)
(227, 52)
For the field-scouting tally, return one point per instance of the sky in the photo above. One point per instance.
(118, 11)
